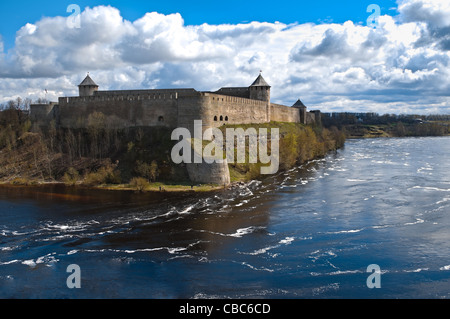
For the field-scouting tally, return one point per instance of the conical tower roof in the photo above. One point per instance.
(88, 82)
(299, 104)
(260, 81)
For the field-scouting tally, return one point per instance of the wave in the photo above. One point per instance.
(417, 270)
(418, 221)
(344, 272)
(256, 268)
(9, 262)
(350, 231)
(245, 231)
(186, 210)
(285, 241)
(237, 234)
(245, 201)
(428, 188)
(48, 260)
(445, 199)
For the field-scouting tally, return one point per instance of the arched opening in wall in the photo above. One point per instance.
(215, 118)
(226, 118)
(221, 118)
(161, 119)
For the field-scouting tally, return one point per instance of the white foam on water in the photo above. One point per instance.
(256, 268)
(170, 250)
(418, 221)
(243, 231)
(30, 263)
(186, 210)
(344, 272)
(381, 226)
(245, 201)
(322, 289)
(445, 199)
(262, 250)
(445, 268)
(133, 251)
(317, 254)
(428, 188)
(350, 231)
(9, 262)
(417, 270)
(287, 240)
(48, 259)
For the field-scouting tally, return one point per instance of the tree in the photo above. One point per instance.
(139, 183)
(96, 130)
(148, 171)
(154, 171)
(71, 177)
(400, 130)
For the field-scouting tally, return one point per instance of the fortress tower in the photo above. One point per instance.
(260, 90)
(302, 110)
(87, 87)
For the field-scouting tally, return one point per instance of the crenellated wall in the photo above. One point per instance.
(223, 109)
(146, 109)
(170, 108)
(281, 113)
(235, 91)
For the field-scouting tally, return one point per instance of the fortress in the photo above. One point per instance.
(173, 108)
(170, 107)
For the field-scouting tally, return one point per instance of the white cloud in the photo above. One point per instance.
(434, 12)
(402, 64)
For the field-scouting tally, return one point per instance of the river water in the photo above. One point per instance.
(307, 233)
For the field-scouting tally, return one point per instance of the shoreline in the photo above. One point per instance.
(154, 189)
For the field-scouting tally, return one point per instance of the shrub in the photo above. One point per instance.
(148, 171)
(139, 183)
(21, 181)
(71, 177)
(105, 175)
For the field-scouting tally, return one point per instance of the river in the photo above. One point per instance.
(310, 232)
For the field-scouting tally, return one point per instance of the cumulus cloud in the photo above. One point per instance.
(433, 12)
(401, 66)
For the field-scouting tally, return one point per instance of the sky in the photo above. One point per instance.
(327, 53)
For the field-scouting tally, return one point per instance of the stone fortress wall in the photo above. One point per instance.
(170, 107)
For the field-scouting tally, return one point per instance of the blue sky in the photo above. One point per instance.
(15, 14)
(320, 51)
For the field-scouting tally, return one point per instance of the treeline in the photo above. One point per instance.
(346, 118)
(19, 104)
(401, 129)
(373, 124)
